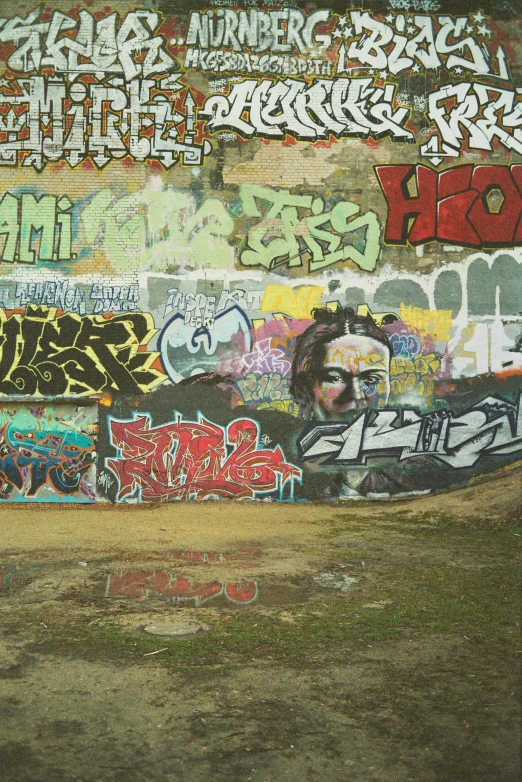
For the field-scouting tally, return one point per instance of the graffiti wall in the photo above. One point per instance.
(277, 247)
(47, 452)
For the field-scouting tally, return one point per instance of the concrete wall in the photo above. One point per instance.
(278, 245)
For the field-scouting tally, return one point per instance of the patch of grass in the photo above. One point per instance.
(443, 577)
(480, 533)
(480, 605)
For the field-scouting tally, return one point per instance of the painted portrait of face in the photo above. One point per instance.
(341, 365)
(355, 375)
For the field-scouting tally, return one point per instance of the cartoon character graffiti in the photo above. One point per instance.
(341, 364)
(189, 350)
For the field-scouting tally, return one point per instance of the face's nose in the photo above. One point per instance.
(357, 392)
(353, 397)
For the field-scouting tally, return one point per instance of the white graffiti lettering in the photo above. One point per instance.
(479, 112)
(340, 107)
(104, 121)
(397, 43)
(102, 46)
(286, 30)
(52, 293)
(202, 306)
(236, 62)
(114, 298)
(97, 298)
(415, 5)
(196, 307)
(492, 427)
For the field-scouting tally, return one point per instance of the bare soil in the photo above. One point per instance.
(365, 641)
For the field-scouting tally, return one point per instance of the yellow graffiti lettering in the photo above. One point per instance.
(414, 375)
(43, 353)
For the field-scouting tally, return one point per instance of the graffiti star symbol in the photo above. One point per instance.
(479, 17)
(483, 30)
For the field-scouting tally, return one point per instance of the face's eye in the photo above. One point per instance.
(331, 376)
(371, 381)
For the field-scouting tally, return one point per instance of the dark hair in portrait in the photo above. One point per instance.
(311, 347)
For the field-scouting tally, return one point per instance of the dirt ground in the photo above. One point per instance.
(364, 641)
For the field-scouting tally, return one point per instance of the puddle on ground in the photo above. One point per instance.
(19, 574)
(82, 578)
(178, 589)
(181, 589)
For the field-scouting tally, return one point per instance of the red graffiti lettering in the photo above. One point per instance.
(189, 460)
(474, 206)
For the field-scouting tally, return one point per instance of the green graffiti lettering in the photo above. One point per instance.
(9, 226)
(38, 215)
(37, 229)
(153, 228)
(283, 237)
